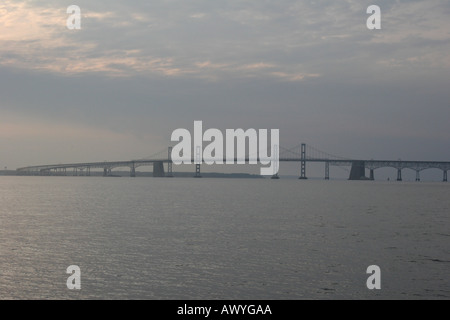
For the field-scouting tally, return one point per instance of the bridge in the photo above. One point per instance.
(302, 153)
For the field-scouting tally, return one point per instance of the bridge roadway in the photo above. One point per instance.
(357, 172)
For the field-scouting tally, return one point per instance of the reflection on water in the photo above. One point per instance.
(147, 238)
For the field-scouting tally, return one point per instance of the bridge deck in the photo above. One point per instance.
(369, 164)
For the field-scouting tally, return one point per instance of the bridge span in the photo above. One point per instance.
(299, 154)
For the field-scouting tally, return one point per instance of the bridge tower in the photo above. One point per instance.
(198, 161)
(303, 162)
(169, 164)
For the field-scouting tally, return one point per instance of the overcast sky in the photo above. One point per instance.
(137, 70)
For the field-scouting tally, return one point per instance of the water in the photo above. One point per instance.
(159, 238)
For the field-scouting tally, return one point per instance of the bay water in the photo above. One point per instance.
(185, 238)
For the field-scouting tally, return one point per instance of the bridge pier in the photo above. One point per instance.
(198, 161)
(358, 171)
(197, 171)
(169, 170)
(106, 172)
(399, 174)
(445, 176)
(158, 169)
(372, 175)
(327, 170)
(417, 175)
(133, 170)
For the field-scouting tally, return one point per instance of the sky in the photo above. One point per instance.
(137, 70)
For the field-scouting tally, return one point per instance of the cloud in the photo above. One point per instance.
(34, 37)
(297, 39)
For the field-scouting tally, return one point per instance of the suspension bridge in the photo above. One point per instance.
(302, 154)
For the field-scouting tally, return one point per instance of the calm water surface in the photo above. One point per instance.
(156, 238)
